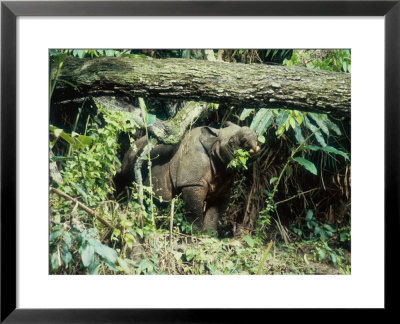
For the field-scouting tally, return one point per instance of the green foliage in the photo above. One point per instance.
(338, 60)
(344, 234)
(262, 120)
(270, 56)
(239, 160)
(92, 254)
(180, 224)
(250, 241)
(320, 235)
(307, 164)
(217, 257)
(92, 53)
(265, 215)
(87, 160)
(277, 55)
(312, 134)
(87, 172)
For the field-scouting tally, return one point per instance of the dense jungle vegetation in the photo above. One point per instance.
(289, 209)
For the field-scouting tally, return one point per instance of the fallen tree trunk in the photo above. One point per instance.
(245, 85)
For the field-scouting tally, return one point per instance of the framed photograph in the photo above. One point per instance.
(162, 158)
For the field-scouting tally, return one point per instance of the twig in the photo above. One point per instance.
(82, 206)
(264, 258)
(171, 221)
(295, 196)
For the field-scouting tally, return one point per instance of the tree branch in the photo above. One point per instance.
(82, 206)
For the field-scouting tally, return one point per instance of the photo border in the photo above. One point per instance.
(10, 10)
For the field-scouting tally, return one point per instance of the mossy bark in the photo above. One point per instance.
(245, 85)
(169, 131)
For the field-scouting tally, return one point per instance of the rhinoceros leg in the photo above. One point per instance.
(215, 209)
(193, 197)
(211, 219)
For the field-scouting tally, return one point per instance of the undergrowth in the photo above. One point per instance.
(90, 232)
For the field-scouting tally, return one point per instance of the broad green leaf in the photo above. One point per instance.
(55, 235)
(344, 66)
(292, 122)
(331, 149)
(54, 261)
(332, 257)
(320, 122)
(329, 227)
(53, 52)
(331, 124)
(140, 232)
(261, 139)
(297, 231)
(186, 54)
(103, 250)
(309, 215)
(190, 253)
(115, 234)
(129, 239)
(343, 237)
(67, 257)
(124, 266)
(59, 58)
(126, 223)
(67, 239)
(280, 130)
(145, 265)
(84, 140)
(282, 116)
(109, 52)
(94, 270)
(142, 104)
(177, 255)
(312, 147)
(287, 124)
(87, 254)
(151, 119)
(298, 116)
(82, 192)
(57, 132)
(307, 164)
(298, 135)
(249, 240)
(245, 113)
(258, 118)
(67, 138)
(264, 123)
(79, 53)
(111, 265)
(61, 158)
(321, 254)
(272, 180)
(318, 135)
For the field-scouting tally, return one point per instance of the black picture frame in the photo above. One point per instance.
(10, 10)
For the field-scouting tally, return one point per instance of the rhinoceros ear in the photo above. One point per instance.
(208, 138)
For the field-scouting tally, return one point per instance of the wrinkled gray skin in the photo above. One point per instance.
(196, 168)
